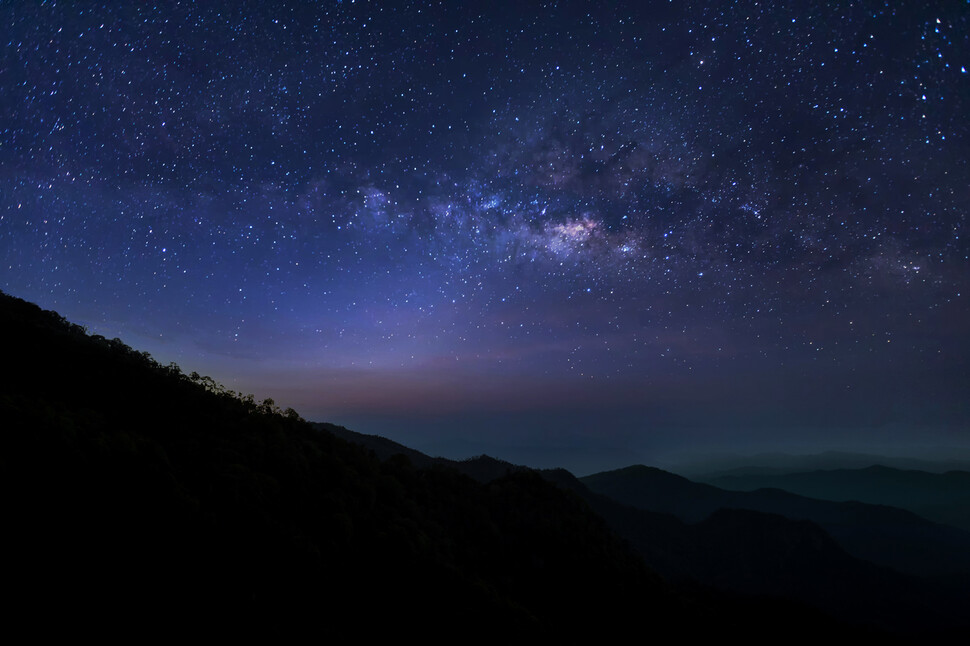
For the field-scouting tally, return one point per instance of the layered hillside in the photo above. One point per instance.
(136, 496)
(139, 499)
(941, 497)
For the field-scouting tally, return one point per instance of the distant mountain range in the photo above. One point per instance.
(713, 466)
(941, 497)
(138, 499)
(843, 558)
(884, 535)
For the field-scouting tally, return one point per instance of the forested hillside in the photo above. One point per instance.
(140, 499)
(132, 490)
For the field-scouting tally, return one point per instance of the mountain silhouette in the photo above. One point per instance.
(138, 496)
(884, 535)
(139, 499)
(940, 497)
(743, 551)
(723, 464)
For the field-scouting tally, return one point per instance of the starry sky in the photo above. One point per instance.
(580, 234)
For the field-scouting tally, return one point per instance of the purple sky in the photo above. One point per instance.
(585, 234)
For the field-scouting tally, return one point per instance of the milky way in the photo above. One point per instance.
(627, 225)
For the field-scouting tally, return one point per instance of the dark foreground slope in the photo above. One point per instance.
(138, 497)
(139, 500)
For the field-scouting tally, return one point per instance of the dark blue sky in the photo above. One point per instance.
(569, 233)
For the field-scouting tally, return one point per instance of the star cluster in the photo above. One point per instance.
(675, 215)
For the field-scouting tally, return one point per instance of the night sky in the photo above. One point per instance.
(565, 234)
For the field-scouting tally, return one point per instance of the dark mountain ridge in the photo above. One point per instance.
(482, 468)
(937, 460)
(940, 497)
(747, 552)
(136, 495)
(140, 499)
(884, 535)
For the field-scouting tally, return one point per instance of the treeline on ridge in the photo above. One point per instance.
(133, 489)
(138, 497)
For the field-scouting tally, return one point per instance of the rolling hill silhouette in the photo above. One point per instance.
(139, 499)
(137, 496)
(940, 497)
(742, 550)
(884, 535)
